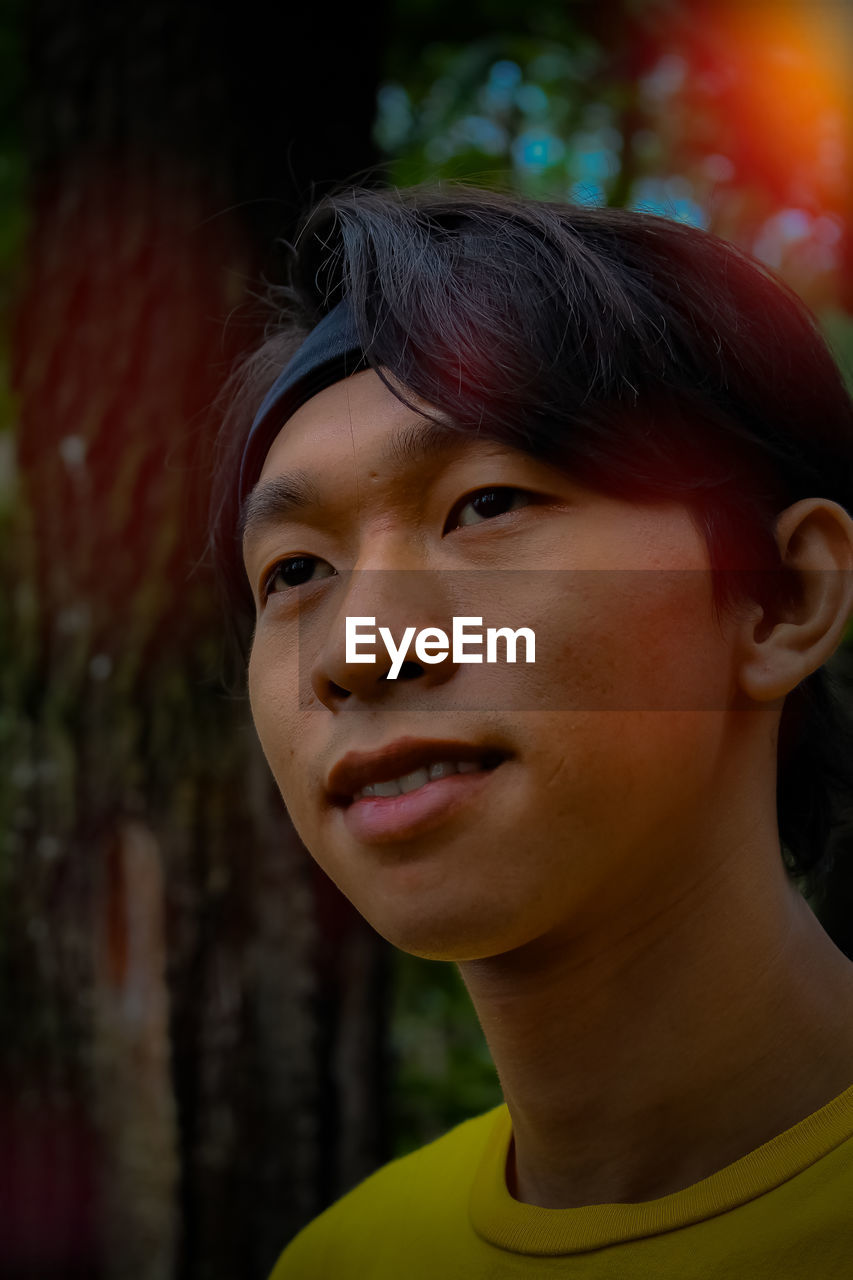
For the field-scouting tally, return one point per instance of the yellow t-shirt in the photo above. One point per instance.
(783, 1212)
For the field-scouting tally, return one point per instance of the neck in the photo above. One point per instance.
(645, 1053)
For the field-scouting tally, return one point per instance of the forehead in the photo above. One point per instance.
(355, 436)
(359, 419)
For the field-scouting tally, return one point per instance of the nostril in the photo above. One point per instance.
(409, 671)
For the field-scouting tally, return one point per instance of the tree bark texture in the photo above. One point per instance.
(192, 1063)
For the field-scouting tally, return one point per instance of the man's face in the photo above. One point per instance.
(585, 776)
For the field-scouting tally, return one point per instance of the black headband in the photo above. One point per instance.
(331, 351)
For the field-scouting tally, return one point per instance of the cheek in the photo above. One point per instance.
(642, 640)
(273, 697)
(615, 797)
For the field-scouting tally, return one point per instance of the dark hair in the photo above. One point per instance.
(648, 358)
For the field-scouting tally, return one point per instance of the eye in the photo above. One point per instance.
(485, 504)
(285, 575)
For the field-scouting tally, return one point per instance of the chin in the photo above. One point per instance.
(450, 936)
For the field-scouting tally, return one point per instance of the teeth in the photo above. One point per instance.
(417, 778)
(411, 781)
(442, 769)
(391, 788)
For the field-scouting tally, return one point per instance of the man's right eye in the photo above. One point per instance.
(295, 572)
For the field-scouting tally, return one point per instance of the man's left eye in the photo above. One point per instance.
(485, 504)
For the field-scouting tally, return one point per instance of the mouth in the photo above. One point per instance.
(419, 778)
(409, 788)
(405, 766)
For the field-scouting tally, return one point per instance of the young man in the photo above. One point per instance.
(621, 434)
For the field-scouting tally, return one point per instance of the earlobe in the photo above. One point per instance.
(786, 642)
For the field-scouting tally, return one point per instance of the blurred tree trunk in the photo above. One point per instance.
(183, 1081)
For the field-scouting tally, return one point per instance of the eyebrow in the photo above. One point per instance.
(273, 500)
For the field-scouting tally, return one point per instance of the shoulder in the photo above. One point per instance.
(423, 1194)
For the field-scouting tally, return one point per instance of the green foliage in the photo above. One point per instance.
(497, 112)
(444, 1070)
(648, 109)
(837, 327)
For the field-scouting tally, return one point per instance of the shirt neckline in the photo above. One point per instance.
(531, 1229)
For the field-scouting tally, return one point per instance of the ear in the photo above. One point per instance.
(783, 646)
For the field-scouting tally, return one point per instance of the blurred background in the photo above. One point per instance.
(200, 1044)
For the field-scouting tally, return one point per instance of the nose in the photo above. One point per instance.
(399, 600)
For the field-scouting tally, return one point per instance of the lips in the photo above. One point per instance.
(357, 770)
